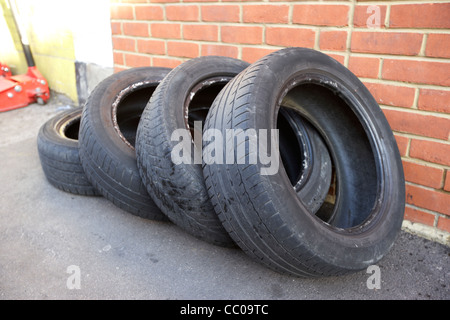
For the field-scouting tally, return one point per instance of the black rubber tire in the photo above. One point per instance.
(57, 143)
(179, 189)
(263, 213)
(107, 135)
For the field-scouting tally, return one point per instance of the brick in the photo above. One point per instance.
(134, 60)
(125, 44)
(428, 199)
(438, 45)
(443, 223)
(281, 36)
(423, 175)
(242, 34)
(202, 32)
(420, 124)
(219, 50)
(116, 28)
(419, 216)
(430, 151)
(427, 72)
(151, 46)
(333, 40)
(121, 12)
(402, 143)
(149, 13)
(321, 15)
(363, 19)
(261, 13)
(253, 54)
(166, 62)
(401, 43)
(182, 49)
(163, 1)
(200, 1)
(392, 95)
(364, 67)
(434, 100)
(118, 58)
(429, 15)
(220, 13)
(138, 29)
(166, 30)
(337, 57)
(447, 181)
(182, 13)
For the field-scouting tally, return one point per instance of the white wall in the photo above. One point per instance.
(92, 32)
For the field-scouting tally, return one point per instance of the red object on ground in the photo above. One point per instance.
(5, 71)
(21, 90)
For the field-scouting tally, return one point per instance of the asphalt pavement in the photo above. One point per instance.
(56, 245)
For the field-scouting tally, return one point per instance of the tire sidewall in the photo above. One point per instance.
(177, 87)
(59, 154)
(101, 105)
(184, 79)
(51, 132)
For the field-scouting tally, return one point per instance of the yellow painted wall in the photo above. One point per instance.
(10, 43)
(48, 25)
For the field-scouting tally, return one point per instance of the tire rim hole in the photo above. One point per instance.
(200, 100)
(71, 129)
(355, 181)
(295, 148)
(129, 110)
(306, 161)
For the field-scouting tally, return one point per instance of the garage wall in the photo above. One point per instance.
(67, 38)
(51, 43)
(399, 49)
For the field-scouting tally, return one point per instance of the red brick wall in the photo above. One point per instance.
(404, 61)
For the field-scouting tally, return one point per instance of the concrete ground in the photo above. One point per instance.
(49, 237)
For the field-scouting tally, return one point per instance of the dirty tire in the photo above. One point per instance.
(57, 144)
(263, 213)
(107, 136)
(179, 189)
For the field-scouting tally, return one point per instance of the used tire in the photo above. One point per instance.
(57, 144)
(107, 136)
(264, 213)
(183, 97)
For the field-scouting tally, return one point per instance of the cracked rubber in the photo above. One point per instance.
(179, 189)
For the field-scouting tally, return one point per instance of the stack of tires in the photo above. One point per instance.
(189, 145)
